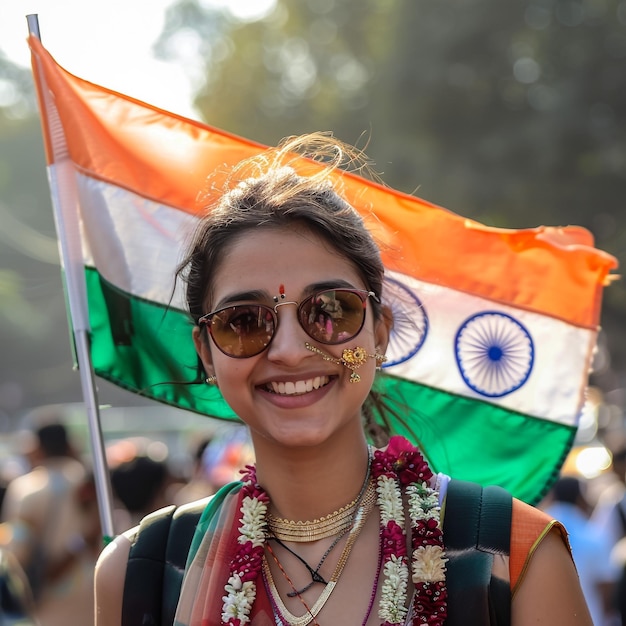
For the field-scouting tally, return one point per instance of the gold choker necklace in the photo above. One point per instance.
(328, 526)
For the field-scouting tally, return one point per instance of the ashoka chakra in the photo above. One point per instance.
(494, 353)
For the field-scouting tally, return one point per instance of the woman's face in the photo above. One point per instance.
(321, 401)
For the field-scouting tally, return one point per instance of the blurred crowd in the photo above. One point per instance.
(594, 513)
(50, 530)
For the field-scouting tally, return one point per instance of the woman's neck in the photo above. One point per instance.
(307, 483)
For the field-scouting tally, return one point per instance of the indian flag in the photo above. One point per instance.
(495, 328)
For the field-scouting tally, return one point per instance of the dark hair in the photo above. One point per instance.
(138, 481)
(53, 440)
(296, 185)
(567, 489)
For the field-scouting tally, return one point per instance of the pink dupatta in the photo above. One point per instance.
(200, 602)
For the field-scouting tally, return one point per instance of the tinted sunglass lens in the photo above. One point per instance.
(243, 330)
(333, 316)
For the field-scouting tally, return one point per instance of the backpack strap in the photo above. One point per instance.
(476, 528)
(165, 542)
(156, 564)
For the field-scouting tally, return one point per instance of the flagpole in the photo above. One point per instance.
(64, 196)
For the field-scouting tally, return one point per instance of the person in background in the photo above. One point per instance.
(42, 518)
(17, 606)
(227, 455)
(591, 549)
(69, 598)
(609, 517)
(140, 484)
(609, 513)
(618, 558)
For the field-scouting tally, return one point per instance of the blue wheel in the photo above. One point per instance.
(494, 353)
(410, 322)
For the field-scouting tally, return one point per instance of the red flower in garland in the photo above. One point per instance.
(393, 540)
(407, 462)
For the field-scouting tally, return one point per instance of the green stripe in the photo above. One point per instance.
(138, 344)
(477, 441)
(146, 348)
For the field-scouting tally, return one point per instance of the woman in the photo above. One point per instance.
(285, 288)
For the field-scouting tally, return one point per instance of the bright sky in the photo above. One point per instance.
(108, 42)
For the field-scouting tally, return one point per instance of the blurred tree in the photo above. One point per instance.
(17, 99)
(305, 65)
(511, 113)
(31, 311)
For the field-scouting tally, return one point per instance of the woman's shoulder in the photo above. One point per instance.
(148, 538)
(544, 581)
(110, 574)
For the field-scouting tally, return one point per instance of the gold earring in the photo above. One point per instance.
(380, 359)
(211, 380)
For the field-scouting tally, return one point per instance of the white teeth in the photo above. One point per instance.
(299, 387)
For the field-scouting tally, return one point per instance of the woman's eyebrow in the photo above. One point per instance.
(336, 283)
(256, 295)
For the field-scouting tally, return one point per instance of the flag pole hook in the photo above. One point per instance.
(33, 25)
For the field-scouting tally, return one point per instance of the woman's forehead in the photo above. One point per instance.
(267, 259)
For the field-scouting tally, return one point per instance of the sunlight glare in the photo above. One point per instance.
(592, 461)
(244, 10)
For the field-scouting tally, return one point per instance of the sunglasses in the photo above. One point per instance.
(332, 316)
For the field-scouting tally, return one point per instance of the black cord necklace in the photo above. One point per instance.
(316, 577)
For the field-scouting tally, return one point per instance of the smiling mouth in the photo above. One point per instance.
(297, 388)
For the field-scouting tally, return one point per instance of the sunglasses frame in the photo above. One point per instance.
(363, 294)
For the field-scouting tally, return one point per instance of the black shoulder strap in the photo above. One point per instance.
(157, 562)
(477, 526)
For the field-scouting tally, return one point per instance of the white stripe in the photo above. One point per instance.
(136, 245)
(562, 354)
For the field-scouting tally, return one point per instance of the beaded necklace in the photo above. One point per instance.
(400, 466)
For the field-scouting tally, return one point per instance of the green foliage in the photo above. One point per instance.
(17, 99)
